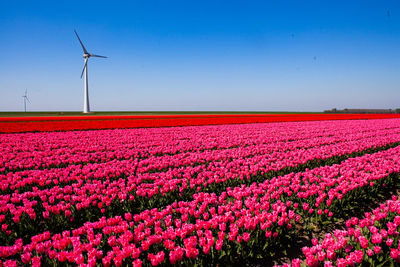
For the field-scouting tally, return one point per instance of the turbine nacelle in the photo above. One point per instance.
(86, 55)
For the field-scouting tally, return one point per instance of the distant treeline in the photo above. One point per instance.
(363, 111)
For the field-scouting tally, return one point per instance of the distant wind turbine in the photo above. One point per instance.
(25, 97)
(86, 56)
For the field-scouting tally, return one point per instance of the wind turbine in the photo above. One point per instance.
(25, 97)
(86, 56)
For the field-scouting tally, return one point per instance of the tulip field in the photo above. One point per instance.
(201, 195)
(65, 123)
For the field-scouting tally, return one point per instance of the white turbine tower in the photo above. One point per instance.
(25, 97)
(86, 56)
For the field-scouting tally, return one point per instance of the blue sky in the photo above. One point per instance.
(201, 55)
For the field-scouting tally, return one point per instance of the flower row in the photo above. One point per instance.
(44, 150)
(372, 240)
(253, 158)
(43, 124)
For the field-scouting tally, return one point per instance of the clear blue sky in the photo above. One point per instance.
(201, 55)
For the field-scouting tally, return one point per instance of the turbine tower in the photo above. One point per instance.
(25, 97)
(86, 56)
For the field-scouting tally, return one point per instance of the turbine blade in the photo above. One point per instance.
(98, 56)
(28, 100)
(84, 67)
(83, 47)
